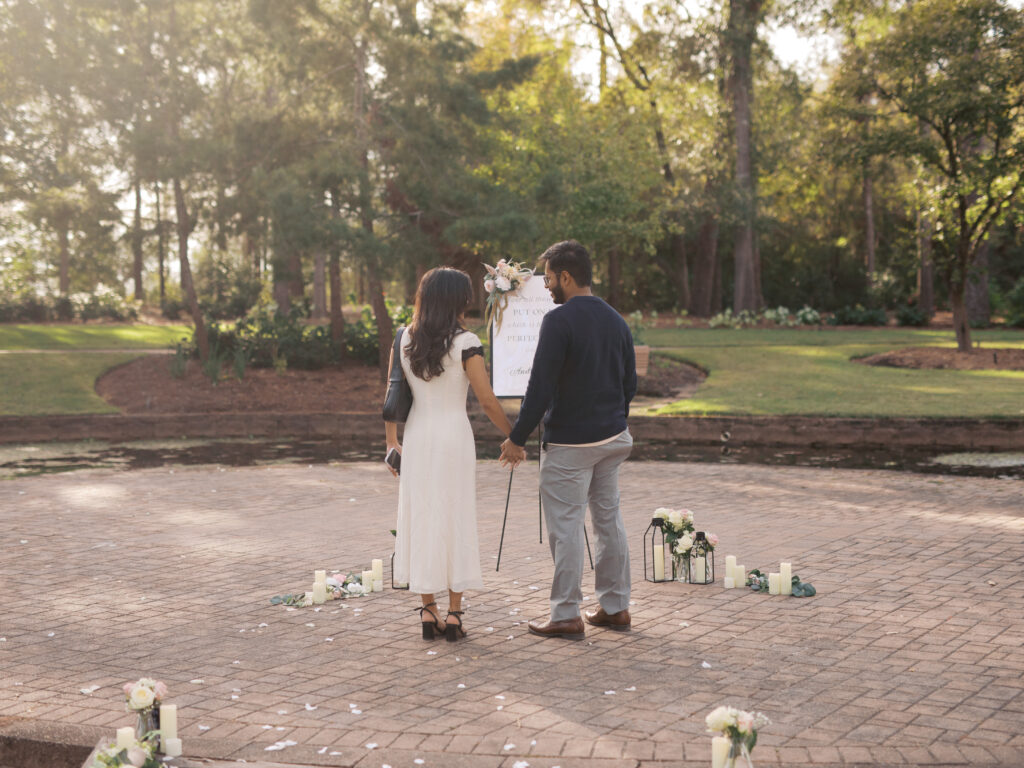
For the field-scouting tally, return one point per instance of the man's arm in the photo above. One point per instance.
(547, 366)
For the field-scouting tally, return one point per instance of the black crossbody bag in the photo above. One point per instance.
(398, 401)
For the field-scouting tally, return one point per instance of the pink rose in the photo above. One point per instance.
(712, 539)
(488, 285)
(160, 689)
(745, 722)
(128, 688)
(137, 756)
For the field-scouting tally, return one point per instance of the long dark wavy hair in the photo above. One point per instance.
(443, 294)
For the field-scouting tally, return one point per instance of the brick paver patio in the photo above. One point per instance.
(911, 654)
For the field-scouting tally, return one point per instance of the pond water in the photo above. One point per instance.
(46, 458)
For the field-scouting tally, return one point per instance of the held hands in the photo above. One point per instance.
(511, 454)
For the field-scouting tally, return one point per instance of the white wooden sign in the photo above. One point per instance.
(513, 346)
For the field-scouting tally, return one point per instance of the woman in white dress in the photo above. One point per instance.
(436, 546)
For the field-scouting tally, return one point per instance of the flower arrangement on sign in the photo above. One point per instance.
(738, 731)
(503, 278)
(681, 537)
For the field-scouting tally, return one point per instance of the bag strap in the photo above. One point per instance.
(396, 361)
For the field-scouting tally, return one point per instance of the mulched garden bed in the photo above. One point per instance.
(981, 359)
(146, 386)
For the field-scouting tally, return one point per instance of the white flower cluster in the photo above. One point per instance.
(735, 722)
(143, 694)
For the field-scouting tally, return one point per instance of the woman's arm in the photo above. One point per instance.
(476, 370)
(391, 434)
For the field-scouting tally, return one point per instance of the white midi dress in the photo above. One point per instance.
(436, 548)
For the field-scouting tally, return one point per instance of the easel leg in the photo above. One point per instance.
(505, 519)
(540, 500)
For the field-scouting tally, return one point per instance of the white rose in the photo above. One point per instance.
(720, 719)
(502, 283)
(683, 545)
(662, 512)
(141, 697)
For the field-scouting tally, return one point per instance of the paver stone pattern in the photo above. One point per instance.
(910, 654)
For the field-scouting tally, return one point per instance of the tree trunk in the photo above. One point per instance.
(706, 254)
(680, 270)
(716, 291)
(249, 253)
(741, 33)
(140, 293)
(160, 247)
(185, 226)
(320, 285)
(296, 286)
(615, 278)
(869, 224)
(63, 243)
(960, 322)
(337, 316)
(925, 268)
(976, 298)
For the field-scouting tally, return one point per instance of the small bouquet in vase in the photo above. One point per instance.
(143, 697)
(503, 278)
(739, 728)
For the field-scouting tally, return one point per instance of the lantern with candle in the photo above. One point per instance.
(654, 551)
(702, 558)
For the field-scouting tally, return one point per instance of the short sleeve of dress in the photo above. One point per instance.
(470, 346)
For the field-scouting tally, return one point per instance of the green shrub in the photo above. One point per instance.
(103, 304)
(911, 315)
(858, 315)
(807, 315)
(1014, 305)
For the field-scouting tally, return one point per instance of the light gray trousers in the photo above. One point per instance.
(570, 479)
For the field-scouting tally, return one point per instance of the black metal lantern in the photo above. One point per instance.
(702, 560)
(654, 552)
(393, 585)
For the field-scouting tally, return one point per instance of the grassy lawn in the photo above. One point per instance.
(45, 384)
(73, 336)
(776, 372)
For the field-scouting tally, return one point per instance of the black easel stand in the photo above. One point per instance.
(540, 513)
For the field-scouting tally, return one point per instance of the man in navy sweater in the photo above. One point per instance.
(581, 384)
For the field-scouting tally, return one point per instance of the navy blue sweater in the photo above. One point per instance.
(583, 376)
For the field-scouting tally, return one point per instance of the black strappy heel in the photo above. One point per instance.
(433, 627)
(454, 631)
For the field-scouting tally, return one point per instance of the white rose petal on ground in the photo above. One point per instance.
(372, 745)
(499, 696)
(204, 727)
(631, 688)
(419, 761)
(461, 685)
(705, 665)
(267, 727)
(197, 681)
(310, 707)
(282, 711)
(609, 693)
(355, 711)
(322, 751)
(520, 764)
(88, 690)
(509, 746)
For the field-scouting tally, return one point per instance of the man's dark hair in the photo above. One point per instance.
(569, 256)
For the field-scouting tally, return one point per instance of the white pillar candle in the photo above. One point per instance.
(367, 580)
(719, 751)
(739, 575)
(378, 585)
(700, 572)
(730, 565)
(169, 721)
(786, 578)
(773, 583)
(377, 566)
(730, 582)
(659, 563)
(125, 737)
(401, 585)
(320, 577)
(172, 747)
(319, 592)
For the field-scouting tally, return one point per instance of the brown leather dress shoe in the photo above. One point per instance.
(570, 629)
(620, 621)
